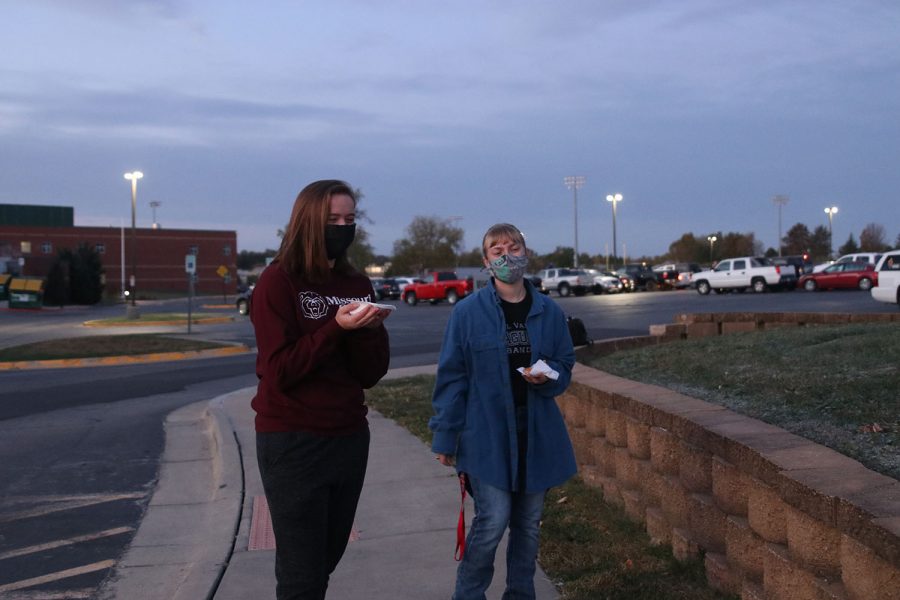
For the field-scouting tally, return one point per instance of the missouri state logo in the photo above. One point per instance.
(312, 305)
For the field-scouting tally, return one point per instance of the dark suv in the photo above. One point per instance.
(643, 275)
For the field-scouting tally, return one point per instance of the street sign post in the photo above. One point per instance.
(190, 267)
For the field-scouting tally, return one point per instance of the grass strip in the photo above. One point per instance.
(588, 548)
(103, 345)
(835, 385)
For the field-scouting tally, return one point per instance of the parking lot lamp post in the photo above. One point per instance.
(575, 183)
(133, 178)
(712, 240)
(615, 199)
(831, 211)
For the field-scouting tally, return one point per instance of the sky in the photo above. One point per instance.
(698, 112)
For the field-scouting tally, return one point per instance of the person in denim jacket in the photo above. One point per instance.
(500, 427)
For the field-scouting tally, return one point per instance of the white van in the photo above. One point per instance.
(888, 288)
(864, 257)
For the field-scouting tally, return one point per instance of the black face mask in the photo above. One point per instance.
(337, 239)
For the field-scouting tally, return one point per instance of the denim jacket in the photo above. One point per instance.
(473, 401)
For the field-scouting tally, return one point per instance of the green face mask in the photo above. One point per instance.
(509, 268)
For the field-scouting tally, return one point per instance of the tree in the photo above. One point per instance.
(75, 277)
(472, 258)
(819, 243)
(897, 241)
(797, 240)
(431, 243)
(872, 238)
(248, 259)
(562, 256)
(849, 247)
(738, 244)
(689, 248)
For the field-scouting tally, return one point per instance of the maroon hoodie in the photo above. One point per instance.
(311, 371)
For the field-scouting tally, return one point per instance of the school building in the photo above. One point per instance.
(31, 237)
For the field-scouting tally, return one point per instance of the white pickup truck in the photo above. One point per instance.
(742, 273)
(566, 281)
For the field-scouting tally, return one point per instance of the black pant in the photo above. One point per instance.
(312, 485)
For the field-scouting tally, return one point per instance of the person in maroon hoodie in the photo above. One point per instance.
(315, 357)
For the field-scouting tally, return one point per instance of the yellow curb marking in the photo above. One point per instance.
(24, 583)
(103, 361)
(67, 542)
(138, 323)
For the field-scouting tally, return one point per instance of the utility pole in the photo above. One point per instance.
(575, 183)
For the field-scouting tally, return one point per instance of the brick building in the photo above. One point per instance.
(32, 236)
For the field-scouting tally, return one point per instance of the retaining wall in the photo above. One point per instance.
(777, 516)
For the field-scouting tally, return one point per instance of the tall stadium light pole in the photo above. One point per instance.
(133, 178)
(575, 183)
(712, 240)
(780, 200)
(615, 199)
(831, 211)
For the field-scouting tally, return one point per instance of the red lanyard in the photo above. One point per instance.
(461, 524)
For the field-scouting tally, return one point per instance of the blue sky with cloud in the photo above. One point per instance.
(697, 111)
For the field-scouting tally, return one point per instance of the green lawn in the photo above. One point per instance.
(836, 385)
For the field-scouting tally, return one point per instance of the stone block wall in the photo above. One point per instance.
(776, 516)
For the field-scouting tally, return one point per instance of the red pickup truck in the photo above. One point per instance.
(443, 285)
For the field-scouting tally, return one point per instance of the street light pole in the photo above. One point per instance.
(574, 183)
(615, 199)
(712, 240)
(831, 211)
(133, 177)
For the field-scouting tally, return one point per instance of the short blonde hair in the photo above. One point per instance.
(501, 231)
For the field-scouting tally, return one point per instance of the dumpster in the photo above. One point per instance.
(4, 285)
(26, 292)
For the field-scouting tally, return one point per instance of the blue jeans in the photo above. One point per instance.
(495, 510)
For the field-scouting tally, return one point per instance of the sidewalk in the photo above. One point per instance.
(210, 495)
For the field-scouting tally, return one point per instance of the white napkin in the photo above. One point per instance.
(541, 367)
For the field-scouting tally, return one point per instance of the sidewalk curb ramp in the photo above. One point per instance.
(200, 487)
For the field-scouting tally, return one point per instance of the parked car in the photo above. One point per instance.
(537, 282)
(676, 275)
(242, 303)
(627, 281)
(566, 281)
(801, 263)
(441, 285)
(385, 287)
(867, 257)
(742, 273)
(887, 289)
(643, 275)
(604, 282)
(848, 275)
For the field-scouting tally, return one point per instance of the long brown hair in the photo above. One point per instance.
(302, 249)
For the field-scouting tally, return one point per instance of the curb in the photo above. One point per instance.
(181, 549)
(105, 361)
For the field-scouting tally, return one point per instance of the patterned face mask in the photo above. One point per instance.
(509, 268)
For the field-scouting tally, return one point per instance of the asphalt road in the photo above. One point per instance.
(81, 447)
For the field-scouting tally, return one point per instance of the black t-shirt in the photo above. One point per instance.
(518, 348)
